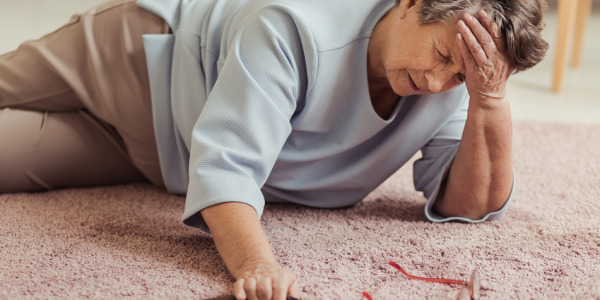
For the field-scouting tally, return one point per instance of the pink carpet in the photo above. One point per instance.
(127, 241)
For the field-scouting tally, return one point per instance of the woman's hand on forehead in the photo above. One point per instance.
(481, 46)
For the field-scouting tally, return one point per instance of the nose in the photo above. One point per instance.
(438, 78)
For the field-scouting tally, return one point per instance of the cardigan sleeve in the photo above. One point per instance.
(246, 119)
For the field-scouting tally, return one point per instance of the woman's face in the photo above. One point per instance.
(412, 58)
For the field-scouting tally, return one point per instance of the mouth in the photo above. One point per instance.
(412, 83)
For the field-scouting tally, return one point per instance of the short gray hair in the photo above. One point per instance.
(521, 23)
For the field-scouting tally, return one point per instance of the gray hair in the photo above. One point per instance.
(520, 21)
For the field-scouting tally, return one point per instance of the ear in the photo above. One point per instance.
(405, 6)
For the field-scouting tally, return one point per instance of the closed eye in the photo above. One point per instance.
(447, 59)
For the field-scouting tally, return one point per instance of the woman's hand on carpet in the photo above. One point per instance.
(245, 249)
(265, 279)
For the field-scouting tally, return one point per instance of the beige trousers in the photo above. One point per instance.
(75, 105)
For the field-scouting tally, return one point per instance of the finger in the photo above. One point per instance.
(264, 289)
(470, 63)
(473, 45)
(488, 23)
(484, 37)
(294, 290)
(280, 287)
(250, 288)
(492, 27)
(238, 290)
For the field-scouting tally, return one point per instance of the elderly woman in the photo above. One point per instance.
(236, 103)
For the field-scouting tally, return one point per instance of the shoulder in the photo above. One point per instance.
(330, 24)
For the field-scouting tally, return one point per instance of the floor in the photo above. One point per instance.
(531, 98)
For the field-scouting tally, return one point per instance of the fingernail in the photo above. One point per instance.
(469, 17)
(483, 13)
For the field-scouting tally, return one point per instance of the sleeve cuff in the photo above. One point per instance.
(433, 216)
(209, 191)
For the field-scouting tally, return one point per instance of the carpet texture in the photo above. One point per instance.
(128, 242)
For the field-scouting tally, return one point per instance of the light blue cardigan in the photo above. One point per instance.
(268, 100)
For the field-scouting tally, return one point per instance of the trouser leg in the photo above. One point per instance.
(51, 150)
(94, 64)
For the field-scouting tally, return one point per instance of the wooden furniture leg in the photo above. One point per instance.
(566, 22)
(583, 11)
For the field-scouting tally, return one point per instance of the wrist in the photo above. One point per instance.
(489, 103)
(489, 111)
(238, 235)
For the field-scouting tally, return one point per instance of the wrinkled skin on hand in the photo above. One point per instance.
(482, 47)
(265, 279)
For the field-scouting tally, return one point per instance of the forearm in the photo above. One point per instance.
(481, 175)
(238, 235)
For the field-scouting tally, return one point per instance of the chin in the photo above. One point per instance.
(403, 91)
(400, 84)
